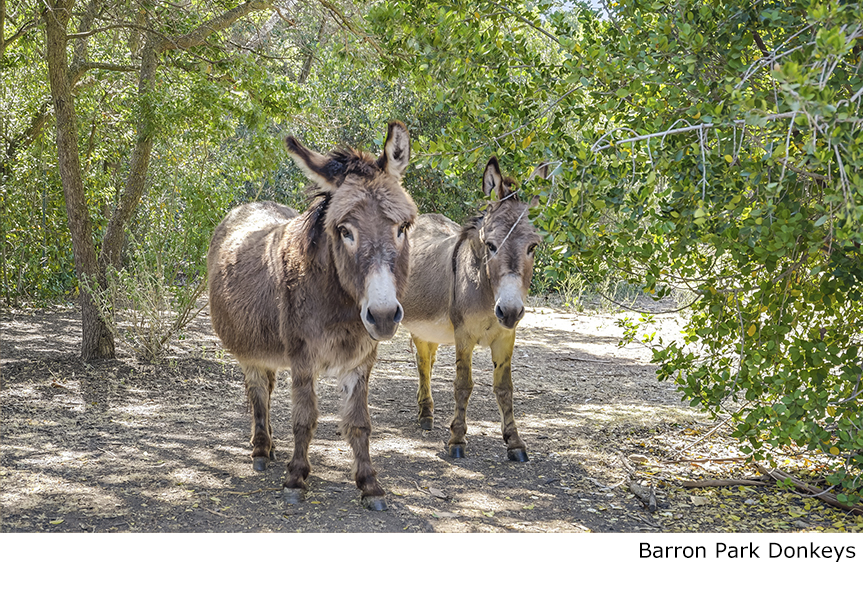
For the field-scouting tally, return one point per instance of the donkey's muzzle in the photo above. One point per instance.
(508, 316)
(380, 310)
(509, 303)
(382, 323)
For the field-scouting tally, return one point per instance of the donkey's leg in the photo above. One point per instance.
(304, 417)
(271, 378)
(356, 427)
(426, 352)
(463, 387)
(258, 393)
(501, 356)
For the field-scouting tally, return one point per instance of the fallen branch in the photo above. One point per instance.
(701, 460)
(810, 489)
(720, 483)
(605, 362)
(257, 491)
(646, 522)
(646, 495)
(218, 514)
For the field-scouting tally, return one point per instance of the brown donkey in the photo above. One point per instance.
(315, 293)
(467, 286)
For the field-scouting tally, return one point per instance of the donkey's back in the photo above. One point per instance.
(429, 294)
(245, 278)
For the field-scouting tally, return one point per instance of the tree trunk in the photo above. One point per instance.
(139, 163)
(97, 339)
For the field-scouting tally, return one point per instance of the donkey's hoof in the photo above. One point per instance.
(293, 495)
(426, 423)
(376, 503)
(456, 451)
(260, 463)
(272, 454)
(517, 455)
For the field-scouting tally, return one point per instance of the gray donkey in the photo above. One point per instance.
(315, 293)
(467, 286)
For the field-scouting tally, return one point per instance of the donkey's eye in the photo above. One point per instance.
(345, 233)
(402, 228)
(491, 247)
(531, 248)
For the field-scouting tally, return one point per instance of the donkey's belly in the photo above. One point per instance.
(436, 332)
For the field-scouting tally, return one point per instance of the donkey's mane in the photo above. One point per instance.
(312, 228)
(473, 224)
(349, 161)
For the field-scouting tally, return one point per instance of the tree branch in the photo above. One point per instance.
(720, 483)
(699, 127)
(528, 23)
(200, 34)
(822, 495)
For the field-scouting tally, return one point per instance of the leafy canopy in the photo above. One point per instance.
(710, 146)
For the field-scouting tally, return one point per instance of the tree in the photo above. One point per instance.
(175, 35)
(713, 147)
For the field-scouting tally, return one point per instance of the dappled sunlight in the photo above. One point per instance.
(128, 446)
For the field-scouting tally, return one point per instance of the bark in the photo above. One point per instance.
(2, 27)
(139, 163)
(310, 57)
(97, 340)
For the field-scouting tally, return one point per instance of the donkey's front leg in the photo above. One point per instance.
(426, 352)
(305, 421)
(501, 356)
(463, 387)
(356, 427)
(259, 388)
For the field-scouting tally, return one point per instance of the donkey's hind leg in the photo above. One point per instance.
(260, 383)
(356, 427)
(271, 378)
(426, 352)
(501, 356)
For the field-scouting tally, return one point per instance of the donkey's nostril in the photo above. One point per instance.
(498, 312)
(399, 314)
(370, 318)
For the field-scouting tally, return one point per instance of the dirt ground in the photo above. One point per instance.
(122, 445)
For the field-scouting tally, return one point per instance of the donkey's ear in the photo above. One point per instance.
(541, 171)
(397, 150)
(492, 179)
(326, 173)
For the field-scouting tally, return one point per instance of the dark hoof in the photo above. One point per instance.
(293, 495)
(517, 455)
(260, 463)
(426, 423)
(456, 451)
(272, 454)
(375, 503)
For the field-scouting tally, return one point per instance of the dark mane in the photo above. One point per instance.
(312, 228)
(349, 161)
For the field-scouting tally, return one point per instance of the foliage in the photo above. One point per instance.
(715, 147)
(696, 145)
(142, 309)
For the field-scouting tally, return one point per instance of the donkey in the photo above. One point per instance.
(467, 286)
(315, 293)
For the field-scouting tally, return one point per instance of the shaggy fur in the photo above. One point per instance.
(292, 291)
(467, 286)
